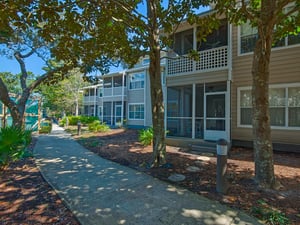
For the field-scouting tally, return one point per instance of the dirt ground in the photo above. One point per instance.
(26, 198)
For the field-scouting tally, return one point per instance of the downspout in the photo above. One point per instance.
(122, 106)
(102, 101)
(95, 100)
(146, 77)
(229, 81)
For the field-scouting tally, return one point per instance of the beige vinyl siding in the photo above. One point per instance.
(207, 77)
(284, 69)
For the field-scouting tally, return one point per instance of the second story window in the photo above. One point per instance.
(107, 83)
(137, 80)
(118, 81)
(249, 36)
(217, 38)
(183, 42)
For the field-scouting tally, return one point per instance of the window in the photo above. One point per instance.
(118, 81)
(284, 103)
(107, 82)
(137, 81)
(183, 42)
(217, 38)
(249, 36)
(294, 107)
(136, 111)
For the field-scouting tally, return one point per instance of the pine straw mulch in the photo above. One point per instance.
(26, 198)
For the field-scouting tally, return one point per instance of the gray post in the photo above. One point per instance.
(222, 151)
(78, 127)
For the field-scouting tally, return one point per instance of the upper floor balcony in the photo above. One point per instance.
(213, 51)
(209, 60)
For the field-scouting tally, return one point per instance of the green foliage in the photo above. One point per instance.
(13, 142)
(146, 136)
(97, 126)
(73, 120)
(272, 217)
(46, 127)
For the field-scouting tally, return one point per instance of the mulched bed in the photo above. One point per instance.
(26, 198)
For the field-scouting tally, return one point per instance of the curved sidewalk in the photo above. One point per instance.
(102, 192)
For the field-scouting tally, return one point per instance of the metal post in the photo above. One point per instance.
(222, 151)
(78, 127)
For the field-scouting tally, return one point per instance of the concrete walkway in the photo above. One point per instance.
(99, 191)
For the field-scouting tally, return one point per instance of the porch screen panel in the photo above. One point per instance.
(199, 112)
(107, 112)
(179, 111)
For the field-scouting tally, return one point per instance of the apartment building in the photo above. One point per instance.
(122, 98)
(210, 98)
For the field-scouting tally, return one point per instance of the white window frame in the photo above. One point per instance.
(139, 80)
(135, 104)
(273, 49)
(286, 87)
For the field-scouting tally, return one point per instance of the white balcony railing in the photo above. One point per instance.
(209, 60)
(89, 98)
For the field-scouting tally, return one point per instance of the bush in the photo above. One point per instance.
(97, 126)
(146, 136)
(46, 127)
(73, 120)
(13, 142)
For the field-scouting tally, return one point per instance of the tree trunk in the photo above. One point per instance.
(159, 146)
(262, 142)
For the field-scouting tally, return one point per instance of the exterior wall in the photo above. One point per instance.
(148, 107)
(284, 69)
(207, 77)
(136, 96)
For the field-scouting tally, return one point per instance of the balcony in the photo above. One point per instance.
(209, 60)
(89, 99)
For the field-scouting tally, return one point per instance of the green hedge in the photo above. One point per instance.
(73, 120)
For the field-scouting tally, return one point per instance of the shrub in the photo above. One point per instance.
(97, 126)
(73, 120)
(13, 142)
(146, 136)
(46, 127)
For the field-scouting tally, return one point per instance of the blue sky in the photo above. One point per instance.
(35, 64)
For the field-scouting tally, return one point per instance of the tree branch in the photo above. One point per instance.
(24, 74)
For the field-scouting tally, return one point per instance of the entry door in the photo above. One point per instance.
(215, 118)
(118, 114)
